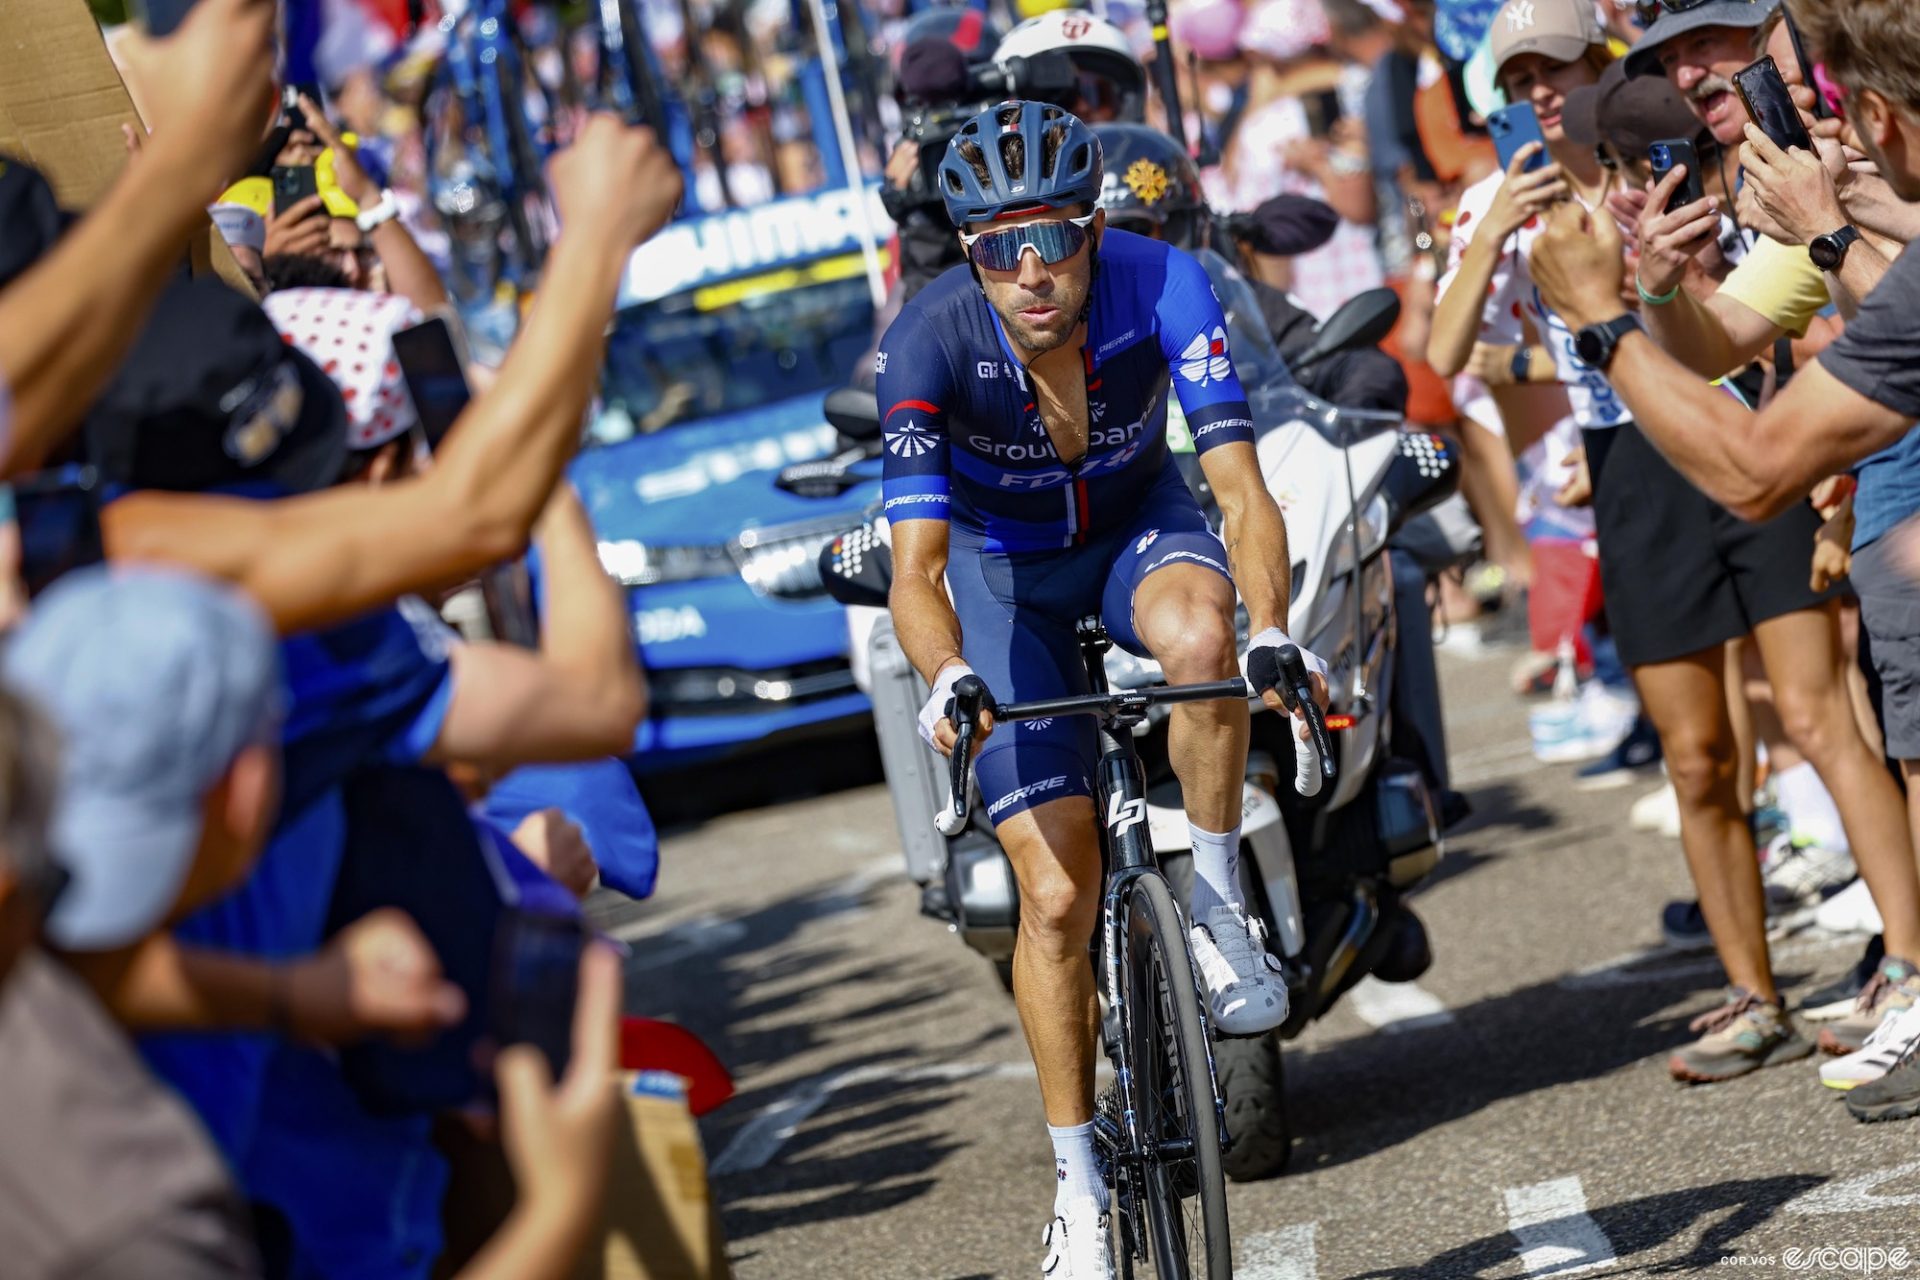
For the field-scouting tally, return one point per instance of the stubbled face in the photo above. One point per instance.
(1040, 305)
(1534, 78)
(1701, 65)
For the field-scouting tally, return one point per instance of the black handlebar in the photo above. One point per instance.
(970, 699)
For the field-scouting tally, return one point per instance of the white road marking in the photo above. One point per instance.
(1396, 1006)
(1850, 1195)
(1290, 1253)
(761, 1138)
(1556, 1236)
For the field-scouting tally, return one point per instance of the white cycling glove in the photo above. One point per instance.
(941, 699)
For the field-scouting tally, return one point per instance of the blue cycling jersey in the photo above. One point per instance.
(964, 439)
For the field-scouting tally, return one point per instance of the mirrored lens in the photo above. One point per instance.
(1053, 241)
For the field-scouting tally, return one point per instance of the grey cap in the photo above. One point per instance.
(240, 226)
(1644, 58)
(156, 681)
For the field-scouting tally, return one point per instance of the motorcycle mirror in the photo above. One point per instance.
(1363, 321)
(854, 413)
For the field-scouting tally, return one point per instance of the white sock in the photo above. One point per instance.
(1216, 871)
(1809, 807)
(1076, 1167)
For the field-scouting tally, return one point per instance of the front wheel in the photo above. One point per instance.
(1183, 1190)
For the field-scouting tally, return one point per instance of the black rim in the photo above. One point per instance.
(1175, 1226)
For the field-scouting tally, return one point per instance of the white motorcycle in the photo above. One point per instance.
(1328, 874)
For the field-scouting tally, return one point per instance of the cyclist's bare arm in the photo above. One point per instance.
(66, 323)
(326, 557)
(1254, 531)
(923, 618)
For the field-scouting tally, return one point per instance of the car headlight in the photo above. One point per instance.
(785, 562)
(1373, 535)
(639, 564)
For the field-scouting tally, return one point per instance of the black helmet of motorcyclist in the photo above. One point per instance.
(970, 31)
(1152, 187)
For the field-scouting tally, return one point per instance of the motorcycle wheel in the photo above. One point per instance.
(1251, 1078)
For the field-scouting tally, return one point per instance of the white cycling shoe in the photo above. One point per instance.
(1245, 985)
(1079, 1245)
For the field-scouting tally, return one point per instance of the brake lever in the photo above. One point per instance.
(1296, 691)
(969, 699)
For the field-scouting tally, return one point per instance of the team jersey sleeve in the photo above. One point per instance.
(1193, 337)
(914, 390)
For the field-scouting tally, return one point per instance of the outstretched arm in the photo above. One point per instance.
(319, 559)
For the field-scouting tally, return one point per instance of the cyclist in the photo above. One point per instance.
(1028, 484)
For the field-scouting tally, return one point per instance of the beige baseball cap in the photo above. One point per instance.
(1557, 29)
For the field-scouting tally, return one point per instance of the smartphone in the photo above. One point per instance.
(1821, 109)
(1513, 128)
(435, 375)
(292, 183)
(1667, 155)
(536, 980)
(1323, 110)
(1771, 106)
(58, 514)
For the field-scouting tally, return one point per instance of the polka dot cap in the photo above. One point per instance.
(349, 334)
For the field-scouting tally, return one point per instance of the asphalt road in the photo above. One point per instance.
(1510, 1116)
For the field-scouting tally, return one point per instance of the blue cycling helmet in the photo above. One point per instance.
(1048, 177)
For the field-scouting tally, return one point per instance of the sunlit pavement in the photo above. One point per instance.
(1509, 1116)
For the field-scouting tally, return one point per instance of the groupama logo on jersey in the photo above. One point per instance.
(910, 441)
(1205, 359)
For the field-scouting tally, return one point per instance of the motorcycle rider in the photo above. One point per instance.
(1153, 188)
(1110, 84)
(1028, 484)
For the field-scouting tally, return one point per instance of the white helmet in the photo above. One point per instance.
(1113, 84)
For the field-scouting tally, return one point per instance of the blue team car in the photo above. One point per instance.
(730, 332)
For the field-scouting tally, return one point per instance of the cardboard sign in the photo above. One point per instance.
(62, 103)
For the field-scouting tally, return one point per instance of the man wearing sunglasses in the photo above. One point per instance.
(1028, 484)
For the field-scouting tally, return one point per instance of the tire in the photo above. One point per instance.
(1252, 1082)
(1183, 1204)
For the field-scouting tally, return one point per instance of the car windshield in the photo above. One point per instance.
(730, 347)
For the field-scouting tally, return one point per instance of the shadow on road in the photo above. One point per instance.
(793, 770)
(1636, 1226)
(760, 1001)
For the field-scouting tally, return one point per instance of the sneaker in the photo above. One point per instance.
(1684, 926)
(1837, 998)
(1586, 729)
(1079, 1245)
(1639, 750)
(1894, 988)
(1657, 811)
(1244, 982)
(1891, 1040)
(1767, 822)
(1798, 872)
(1742, 1035)
(1851, 910)
(1894, 1096)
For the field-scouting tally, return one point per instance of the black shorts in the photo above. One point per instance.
(1681, 573)
(1890, 643)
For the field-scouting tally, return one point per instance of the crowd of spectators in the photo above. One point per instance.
(267, 817)
(1683, 398)
(233, 999)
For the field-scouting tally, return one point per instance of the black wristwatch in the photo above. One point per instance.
(1522, 364)
(1830, 251)
(1595, 343)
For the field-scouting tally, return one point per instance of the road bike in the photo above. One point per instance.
(1160, 1130)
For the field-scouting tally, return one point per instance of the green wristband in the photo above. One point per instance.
(1654, 300)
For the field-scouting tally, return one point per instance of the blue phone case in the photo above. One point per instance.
(1513, 128)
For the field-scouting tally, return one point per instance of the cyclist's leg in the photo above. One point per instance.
(1036, 778)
